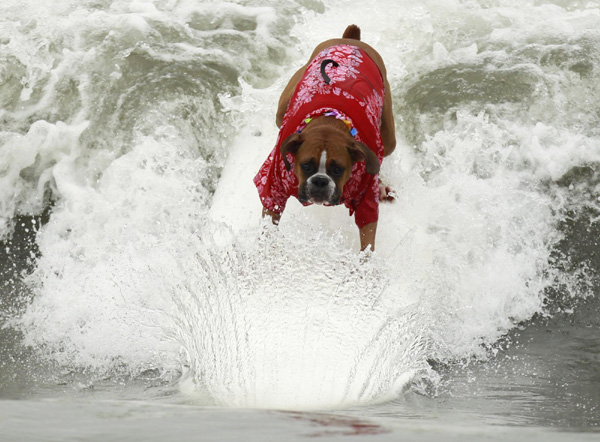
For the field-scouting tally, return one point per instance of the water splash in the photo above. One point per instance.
(272, 324)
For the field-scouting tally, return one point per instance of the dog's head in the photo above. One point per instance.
(323, 163)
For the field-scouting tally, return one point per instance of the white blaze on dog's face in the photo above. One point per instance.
(320, 187)
(323, 163)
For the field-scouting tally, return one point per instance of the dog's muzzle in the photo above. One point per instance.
(320, 189)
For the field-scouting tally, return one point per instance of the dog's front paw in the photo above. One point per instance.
(386, 193)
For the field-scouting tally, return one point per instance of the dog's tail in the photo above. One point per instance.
(352, 32)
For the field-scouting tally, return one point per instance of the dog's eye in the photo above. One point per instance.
(336, 171)
(307, 168)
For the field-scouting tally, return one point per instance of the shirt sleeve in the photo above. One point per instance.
(367, 211)
(273, 183)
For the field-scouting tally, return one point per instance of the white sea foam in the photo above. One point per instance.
(142, 266)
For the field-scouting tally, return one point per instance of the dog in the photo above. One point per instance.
(336, 125)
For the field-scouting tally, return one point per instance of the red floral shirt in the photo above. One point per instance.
(356, 92)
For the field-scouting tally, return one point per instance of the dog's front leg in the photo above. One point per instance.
(275, 217)
(367, 236)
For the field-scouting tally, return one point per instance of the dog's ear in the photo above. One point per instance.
(291, 145)
(361, 152)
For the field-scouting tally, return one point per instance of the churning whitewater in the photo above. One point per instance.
(139, 126)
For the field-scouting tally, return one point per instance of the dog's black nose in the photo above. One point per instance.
(320, 182)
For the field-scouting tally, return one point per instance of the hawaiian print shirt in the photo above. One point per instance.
(355, 92)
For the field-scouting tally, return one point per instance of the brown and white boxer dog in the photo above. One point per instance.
(336, 126)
